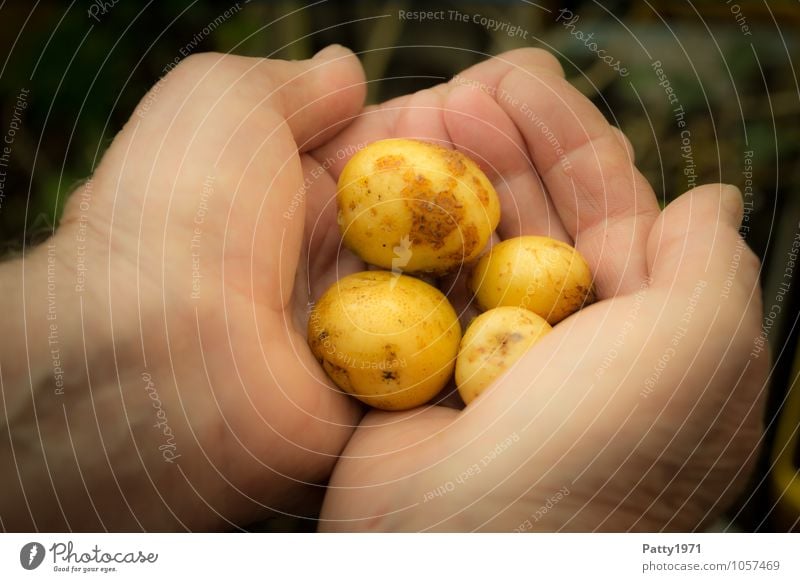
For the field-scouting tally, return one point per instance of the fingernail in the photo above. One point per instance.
(732, 206)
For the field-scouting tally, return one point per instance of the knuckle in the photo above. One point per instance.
(534, 58)
(548, 60)
(626, 143)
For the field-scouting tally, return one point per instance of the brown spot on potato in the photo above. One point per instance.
(389, 162)
(480, 191)
(387, 223)
(591, 296)
(454, 161)
(434, 215)
(339, 375)
(503, 340)
(469, 241)
(389, 375)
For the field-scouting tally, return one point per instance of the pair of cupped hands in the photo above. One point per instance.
(211, 227)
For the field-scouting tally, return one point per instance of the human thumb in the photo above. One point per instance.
(318, 96)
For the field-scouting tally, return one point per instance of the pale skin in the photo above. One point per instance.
(216, 160)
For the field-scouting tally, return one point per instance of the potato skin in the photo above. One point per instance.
(415, 206)
(539, 273)
(492, 343)
(389, 340)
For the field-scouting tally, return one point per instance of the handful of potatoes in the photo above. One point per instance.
(393, 340)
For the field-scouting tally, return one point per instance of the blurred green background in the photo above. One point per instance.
(85, 76)
(86, 64)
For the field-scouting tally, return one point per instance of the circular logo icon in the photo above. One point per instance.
(31, 555)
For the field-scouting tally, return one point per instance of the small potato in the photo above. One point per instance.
(389, 340)
(541, 274)
(415, 207)
(493, 342)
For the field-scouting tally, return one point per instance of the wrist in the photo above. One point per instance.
(53, 336)
(39, 312)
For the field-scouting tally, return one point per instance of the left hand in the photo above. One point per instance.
(179, 290)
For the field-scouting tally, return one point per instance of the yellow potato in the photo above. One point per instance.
(547, 276)
(389, 340)
(492, 343)
(415, 207)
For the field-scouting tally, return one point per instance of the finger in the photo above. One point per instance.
(697, 237)
(606, 205)
(420, 117)
(244, 120)
(488, 74)
(626, 143)
(388, 120)
(522, 193)
(414, 116)
(317, 97)
(479, 127)
(324, 259)
(373, 123)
